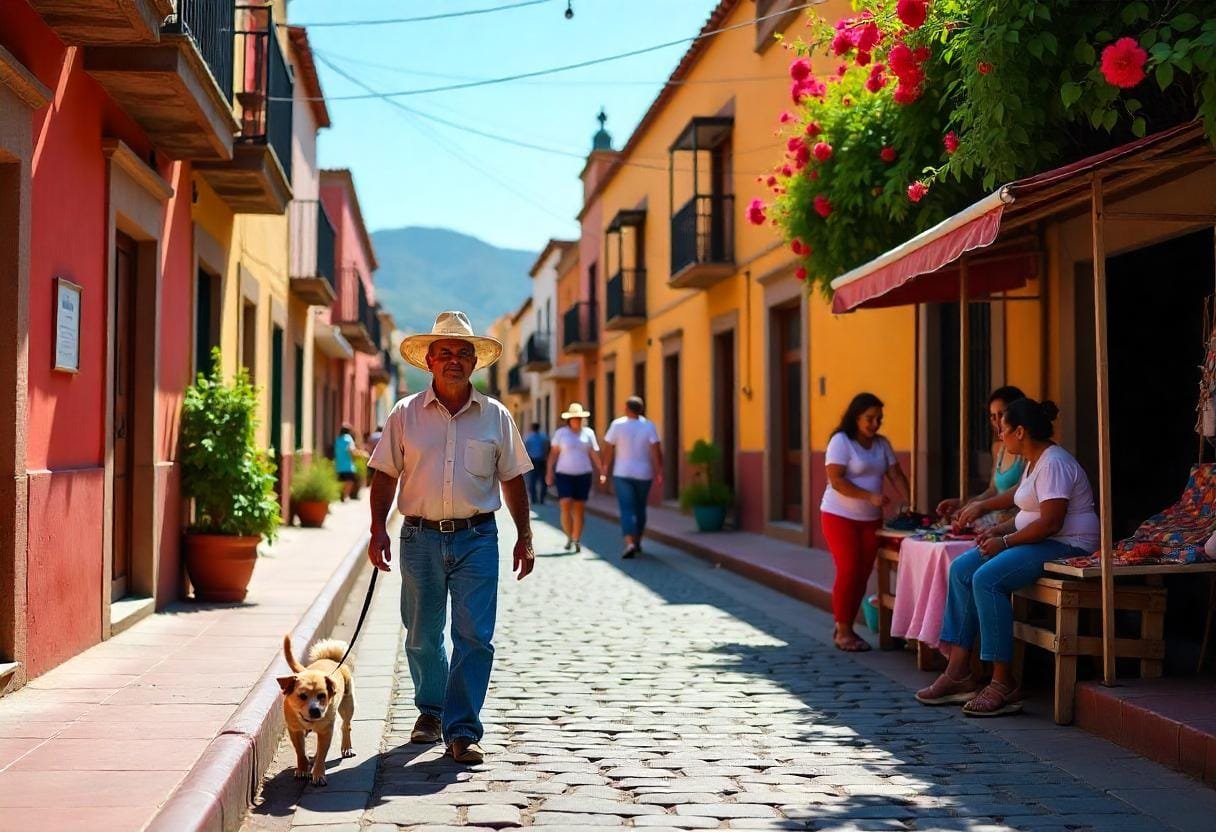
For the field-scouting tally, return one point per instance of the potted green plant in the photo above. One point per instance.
(707, 496)
(314, 485)
(231, 481)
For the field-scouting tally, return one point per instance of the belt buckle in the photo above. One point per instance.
(447, 526)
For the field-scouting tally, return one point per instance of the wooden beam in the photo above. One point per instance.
(1098, 221)
(964, 378)
(1161, 216)
(914, 467)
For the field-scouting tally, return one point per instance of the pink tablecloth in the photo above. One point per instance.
(921, 585)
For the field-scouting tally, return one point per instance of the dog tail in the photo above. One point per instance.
(328, 648)
(295, 666)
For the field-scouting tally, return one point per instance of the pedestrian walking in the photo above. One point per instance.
(633, 457)
(575, 456)
(451, 448)
(858, 460)
(344, 460)
(537, 445)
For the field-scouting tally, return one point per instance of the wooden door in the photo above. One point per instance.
(724, 402)
(124, 400)
(672, 448)
(788, 387)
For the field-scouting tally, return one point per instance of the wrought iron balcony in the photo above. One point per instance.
(626, 299)
(703, 241)
(537, 357)
(359, 321)
(516, 383)
(313, 245)
(579, 327)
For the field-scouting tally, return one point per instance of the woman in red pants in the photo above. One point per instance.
(858, 460)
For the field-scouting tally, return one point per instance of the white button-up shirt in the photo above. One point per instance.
(449, 466)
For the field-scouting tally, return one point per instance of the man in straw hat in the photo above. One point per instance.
(450, 447)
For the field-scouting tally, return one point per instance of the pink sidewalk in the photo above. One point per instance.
(102, 741)
(798, 571)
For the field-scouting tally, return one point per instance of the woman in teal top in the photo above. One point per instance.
(344, 460)
(1006, 467)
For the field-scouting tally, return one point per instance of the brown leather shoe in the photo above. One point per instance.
(428, 730)
(464, 750)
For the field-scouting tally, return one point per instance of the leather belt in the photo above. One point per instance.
(449, 526)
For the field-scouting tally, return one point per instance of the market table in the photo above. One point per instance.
(922, 584)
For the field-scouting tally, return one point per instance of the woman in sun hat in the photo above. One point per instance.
(574, 456)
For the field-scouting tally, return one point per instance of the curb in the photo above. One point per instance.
(783, 582)
(219, 788)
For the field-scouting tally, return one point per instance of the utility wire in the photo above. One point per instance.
(554, 70)
(422, 19)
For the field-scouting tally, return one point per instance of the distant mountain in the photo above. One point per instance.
(424, 271)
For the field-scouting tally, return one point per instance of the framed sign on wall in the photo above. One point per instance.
(67, 326)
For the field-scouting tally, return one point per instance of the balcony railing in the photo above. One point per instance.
(358, 319)
(537, 356)
(703, 241)
(312, 252)
(211, 24)
(264, 87)
(626, 306)
(579, 325)
(515, 380)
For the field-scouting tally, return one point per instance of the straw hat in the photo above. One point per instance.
(450, 326)
(576, 411)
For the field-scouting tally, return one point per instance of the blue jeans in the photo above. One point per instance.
(463, 564)
(536, 482)
(631, 496)
(979, 602)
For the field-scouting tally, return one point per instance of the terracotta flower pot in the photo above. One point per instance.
(312, 513)
(220, 565)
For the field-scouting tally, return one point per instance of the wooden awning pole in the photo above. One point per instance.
(914, 467)
(1103, 407)
(964, 380)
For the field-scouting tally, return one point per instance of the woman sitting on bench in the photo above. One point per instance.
(1007, 468)
(1055, 519)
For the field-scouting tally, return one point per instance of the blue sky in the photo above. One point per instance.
(411, 171)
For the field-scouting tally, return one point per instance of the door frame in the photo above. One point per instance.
(781, 288)
(673, 452)
(727, 324)
(136, 207)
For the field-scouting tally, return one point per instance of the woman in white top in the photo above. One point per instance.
(1055, 519)
(574, 454)
(858, 460)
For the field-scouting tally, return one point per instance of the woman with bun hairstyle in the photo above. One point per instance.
(1055, 519)
(993, 502)
(858, 460)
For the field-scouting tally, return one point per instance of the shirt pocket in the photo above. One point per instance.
(479, 458)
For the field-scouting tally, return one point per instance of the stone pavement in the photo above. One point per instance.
(103, 740)
(662, 693)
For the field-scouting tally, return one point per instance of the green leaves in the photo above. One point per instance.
(1164, 75)
(1070, 92)
(1084, 53)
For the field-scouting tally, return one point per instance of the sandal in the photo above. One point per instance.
(994, 700)
(855, 645)
(947, 691)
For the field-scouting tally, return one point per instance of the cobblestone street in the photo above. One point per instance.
(640, 693)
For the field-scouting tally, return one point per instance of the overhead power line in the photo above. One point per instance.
(391, 21)
(485, 82)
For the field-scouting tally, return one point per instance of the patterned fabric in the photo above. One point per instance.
(1177, 534)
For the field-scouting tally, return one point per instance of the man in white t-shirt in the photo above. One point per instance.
(634, 459)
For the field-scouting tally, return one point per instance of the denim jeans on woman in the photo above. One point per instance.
(464, 564)
(979, 600)
(631, 497)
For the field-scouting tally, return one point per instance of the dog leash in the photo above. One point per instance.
(367, 603)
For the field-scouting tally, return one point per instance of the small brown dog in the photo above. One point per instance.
(312, 699)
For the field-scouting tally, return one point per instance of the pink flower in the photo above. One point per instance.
(917, 191)
(800, 273)
(983, 67)
(868, 37)
(950, 140)
(887, 154)
(755, 212)
(802, 157)
(842, 43)
(1123, 63)
(813, 129)
(794, 143)
(809, 87)
(822, 151)
(876, 81)
(771, 181)
(841, 70)
(786, 118)
(912, 12)
(863, 58)
(905, 95)
(800, 69)
(823, 206)
(922, 54)
(901, 60)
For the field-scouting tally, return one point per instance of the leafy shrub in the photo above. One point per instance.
(316, 481)
(230, 479)
(706, 489)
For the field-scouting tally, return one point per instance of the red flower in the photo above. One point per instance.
(950, 140)
(823, 206)
(905, 95)
(842, 43)
(983, 67)
(814, 174)
(863, 58)
(771, 181)
(868, 37)
(887, 154)
(810, 86)
(917, 191)
(787, 171)
(813, 129)
(1123, 63)
(786, 118)
(802, 157)
(755, 212)
(912, 12)
(822, 151)
(797, 247)
(901, 60)
(922, 54)
(800, 69)
(841, 70)
(876, 81)
(800, 272)
(794, 143)
(847, 101)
